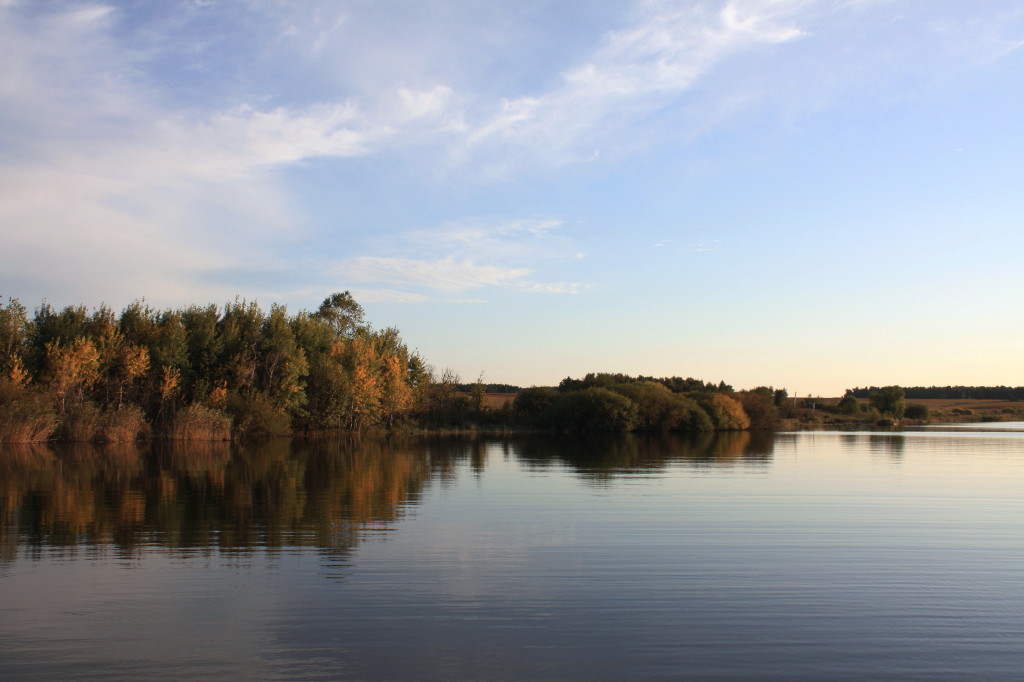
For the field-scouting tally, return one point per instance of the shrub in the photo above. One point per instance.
(125, 424)
(916, 411)
(82, 423)
(199, 422)
(595, 409)
(256, 416)
(25, 415)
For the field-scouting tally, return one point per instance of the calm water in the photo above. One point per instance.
(806, 555)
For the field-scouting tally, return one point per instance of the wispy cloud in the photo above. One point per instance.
(464, 256)
(446, 274)
(667, 49)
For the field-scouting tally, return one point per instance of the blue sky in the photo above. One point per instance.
(807, 194)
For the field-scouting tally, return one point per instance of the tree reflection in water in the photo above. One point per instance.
(325, 494)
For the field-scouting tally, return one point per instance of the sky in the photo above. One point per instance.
(808, 194)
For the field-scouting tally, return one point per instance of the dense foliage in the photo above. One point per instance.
(618, 402)
(202, 371)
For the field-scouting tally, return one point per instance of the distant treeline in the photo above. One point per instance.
(674, 384)
(488, 388)
(951, 392)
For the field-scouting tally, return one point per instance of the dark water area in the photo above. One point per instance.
(817, 555)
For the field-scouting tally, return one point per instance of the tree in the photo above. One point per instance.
(849, 404)
(889, 400)
(14, 333)
(363, 366)
(395, 393)
(478, 395)
(533, 405)
(759, 404)
(726, 413)
(444, 405)
(655, 403)
(690, 416)
(342, 314)
(73, 368)
(282, 363)
(595, 409)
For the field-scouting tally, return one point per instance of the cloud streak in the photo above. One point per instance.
(666, 50)
(445, 274)
(459, 257)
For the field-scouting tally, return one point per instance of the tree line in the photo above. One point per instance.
(234, 371)
(951, 392)
(203, 372)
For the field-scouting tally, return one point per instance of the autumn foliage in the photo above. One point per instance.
(203, 372)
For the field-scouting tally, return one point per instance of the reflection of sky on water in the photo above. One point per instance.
(819, 556)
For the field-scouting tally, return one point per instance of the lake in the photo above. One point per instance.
(810, 555)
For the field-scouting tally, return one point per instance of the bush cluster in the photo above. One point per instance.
(618, 403)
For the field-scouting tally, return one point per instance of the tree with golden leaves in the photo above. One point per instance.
(395, 393)
(73, 369)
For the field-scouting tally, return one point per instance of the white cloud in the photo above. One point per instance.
(89, 14)
(462, 256)
(668, 48)
(494, 238)
(425, 103)
(241, 141)
(556, 287)
(388, 296)
(446, 274)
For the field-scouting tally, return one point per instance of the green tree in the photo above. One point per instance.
(726, 413)
(342, 314)
(281, 362)
(533, 406)
(759, 404)
(656, 405)
(849, 404)
(691, 417)
(14, 335)
(595, 409)
(889, 400)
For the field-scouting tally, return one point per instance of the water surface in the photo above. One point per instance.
(800, 555)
